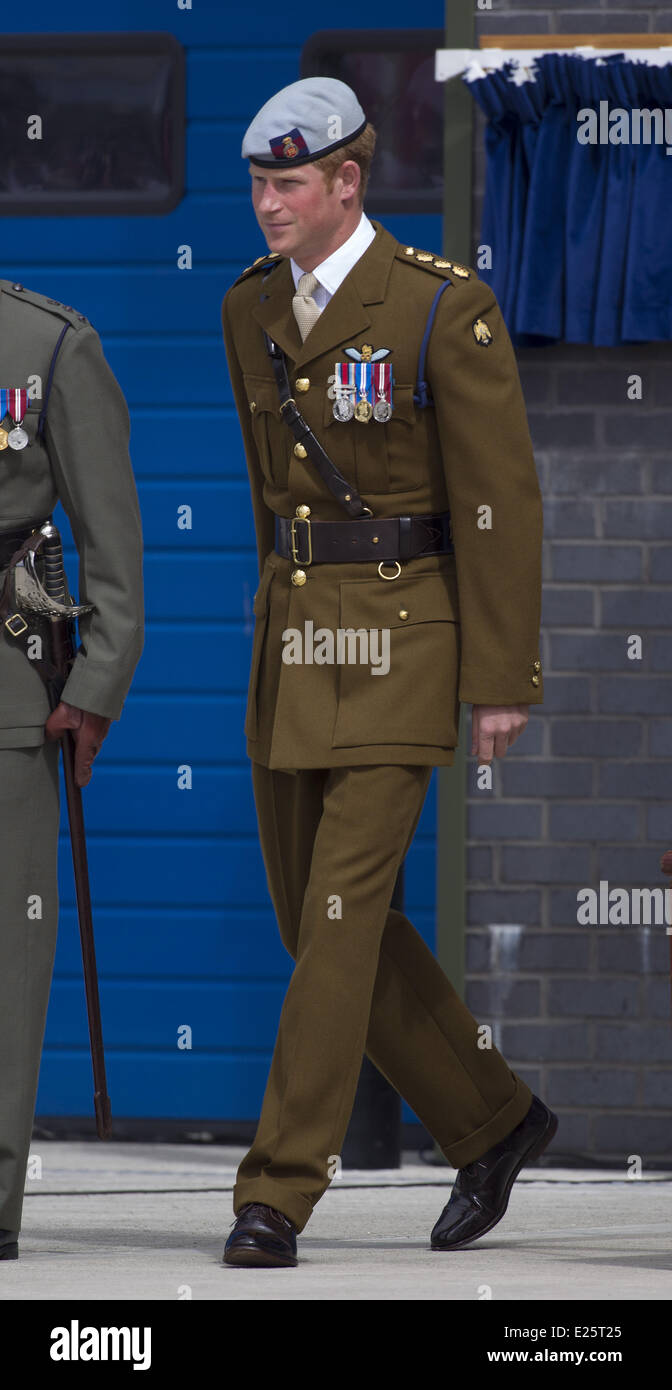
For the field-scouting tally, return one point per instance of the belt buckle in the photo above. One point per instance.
(305, 521)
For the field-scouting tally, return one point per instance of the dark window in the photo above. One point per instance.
(109, 109)
(392, 73)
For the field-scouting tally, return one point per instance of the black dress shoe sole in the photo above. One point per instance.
(255, 1256)
(536, 1149)
(10, 1251)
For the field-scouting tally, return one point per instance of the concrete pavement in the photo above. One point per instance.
(141, 1221)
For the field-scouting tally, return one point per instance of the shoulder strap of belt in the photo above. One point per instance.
(342, 490)
(43, 413)
(420, 396)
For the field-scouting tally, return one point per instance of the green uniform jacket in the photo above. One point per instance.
(471, 630)
(87, 468)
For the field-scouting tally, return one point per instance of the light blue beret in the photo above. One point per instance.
(304, 121)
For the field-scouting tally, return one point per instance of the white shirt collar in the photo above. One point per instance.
(332, 272)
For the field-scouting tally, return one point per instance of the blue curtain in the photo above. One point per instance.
(579, 232)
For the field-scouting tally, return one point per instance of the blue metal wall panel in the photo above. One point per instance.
(185, 933)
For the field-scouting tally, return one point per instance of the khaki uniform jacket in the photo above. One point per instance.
(85, 466)
(471, 630)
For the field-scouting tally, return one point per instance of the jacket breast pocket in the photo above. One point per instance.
(260, 606)
(398, 675)
(271, 434)
(382, 455)
(25, 474)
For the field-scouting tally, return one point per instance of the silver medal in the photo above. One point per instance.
(382, 411)
(343, 408)
(17, 438)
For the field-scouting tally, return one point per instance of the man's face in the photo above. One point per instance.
(296, 213)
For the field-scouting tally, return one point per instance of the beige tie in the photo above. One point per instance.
(306, 311)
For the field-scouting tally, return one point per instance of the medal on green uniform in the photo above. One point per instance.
(363, 408)
(382, 386)
(13, 402)
(344, 387)
(362, 387)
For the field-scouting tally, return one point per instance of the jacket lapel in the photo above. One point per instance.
(346, 316)
(274, 312)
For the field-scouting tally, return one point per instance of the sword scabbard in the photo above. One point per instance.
(63, 651)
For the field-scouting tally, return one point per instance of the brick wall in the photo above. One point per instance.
(583, 1012)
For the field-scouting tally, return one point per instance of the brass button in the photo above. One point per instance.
(403, 612)
(253, 406)
(303, 511)
(535, 680)
(536, 665)
(303, 383)
(300, 451)
(298, 577)
(346, 497)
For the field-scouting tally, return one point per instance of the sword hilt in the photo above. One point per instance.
(55, 583)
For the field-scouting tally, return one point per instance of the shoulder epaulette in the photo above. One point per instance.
(427, 260)
(268, 261)
(40, 301)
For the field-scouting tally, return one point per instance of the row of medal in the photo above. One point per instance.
(363, 390)
(13, 402)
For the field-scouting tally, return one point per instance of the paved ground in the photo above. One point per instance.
(142, 1221)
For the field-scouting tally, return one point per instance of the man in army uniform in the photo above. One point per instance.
(398, 364)
(63, 436)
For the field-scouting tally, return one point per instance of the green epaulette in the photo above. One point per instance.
(40, 301)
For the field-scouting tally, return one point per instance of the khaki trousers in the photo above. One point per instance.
(29, 819)
(364, 981)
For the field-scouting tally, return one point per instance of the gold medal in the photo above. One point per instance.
(363, 411)
(4, 439)
(363, 408)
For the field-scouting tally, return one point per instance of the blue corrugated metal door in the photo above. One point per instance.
(185, 934)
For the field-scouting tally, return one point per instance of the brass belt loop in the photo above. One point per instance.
(389, 576)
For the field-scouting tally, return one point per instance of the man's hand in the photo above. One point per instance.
(88, 730)
(494, 728)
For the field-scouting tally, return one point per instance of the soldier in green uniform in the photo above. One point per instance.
(396, 500)
(63, 436)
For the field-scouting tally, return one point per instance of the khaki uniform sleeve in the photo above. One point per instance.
(87, 436)
(488, 463)
(264, 518)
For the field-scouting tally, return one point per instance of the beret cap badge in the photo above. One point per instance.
(289, 146)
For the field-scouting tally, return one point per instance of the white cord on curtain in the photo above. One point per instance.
(473, 63)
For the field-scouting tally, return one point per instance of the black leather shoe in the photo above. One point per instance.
(481, 1190)
(261, 1236)
(9, 1245)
